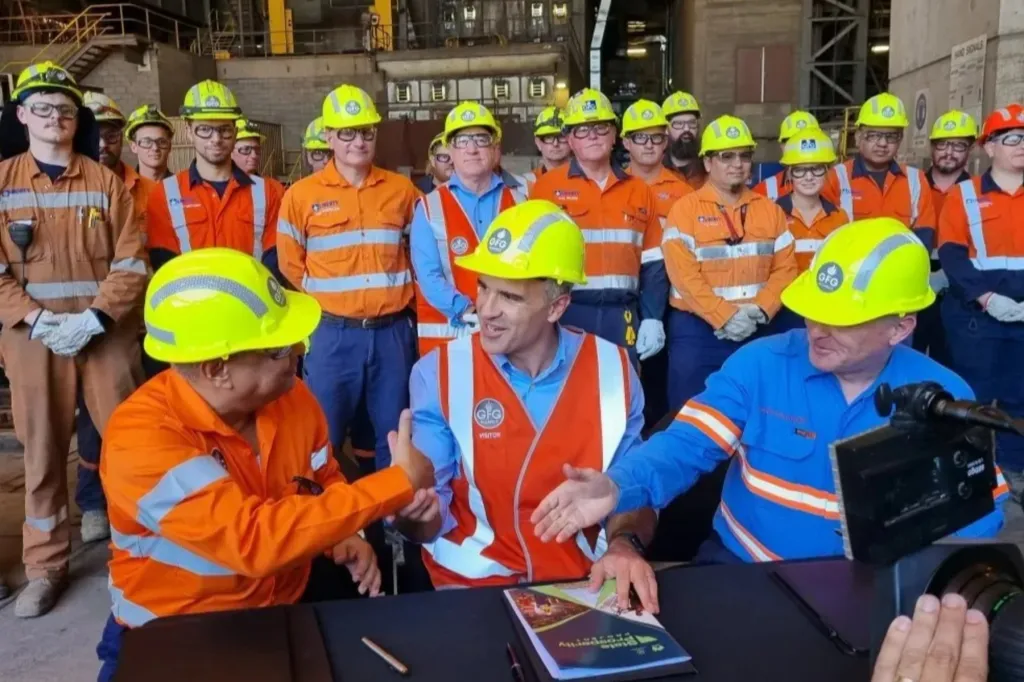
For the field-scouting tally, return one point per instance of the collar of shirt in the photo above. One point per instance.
(988, 184)
(240, 176)
(332, 177)
(860, 170)
(510, 180)
(964, 175)
(786, 204)
(708, 193)
(73, 170)
(128, 175)
(568, 345)
(665, 176)
(576, 171)
(456, 183)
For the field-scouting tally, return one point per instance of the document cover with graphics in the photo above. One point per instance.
(573, 633)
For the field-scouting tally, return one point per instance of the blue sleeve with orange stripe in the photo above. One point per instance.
(705, 432)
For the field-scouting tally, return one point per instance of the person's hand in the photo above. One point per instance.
(738, 327)
(357, 556)
(579, 502)
(938, 281)
(425, 507)
(626, 566)
(44, 326)
(1004, 308)
(754, 312)
(650, 338)
(943, 643)
(74, 333)
(410, 460)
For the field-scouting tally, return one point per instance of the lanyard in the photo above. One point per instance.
(736, 237)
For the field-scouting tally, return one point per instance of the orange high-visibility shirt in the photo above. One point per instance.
(774, 187)
(939, 195)
(140, 188)
(808, 237)
(346, 245)
(200, 522)
(713, 269)
(668, 188)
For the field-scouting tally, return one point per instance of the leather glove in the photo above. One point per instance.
(938, 281)
(75, 332)
(650, 338)
(738, 328)
(754, 312)
(1004, 308)
(45, 326)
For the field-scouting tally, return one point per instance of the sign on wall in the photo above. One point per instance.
(967, 76)
(919, 119)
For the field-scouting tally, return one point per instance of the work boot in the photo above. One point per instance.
(38, 597)
(95, 526)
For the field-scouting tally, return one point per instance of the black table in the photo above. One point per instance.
(737, 622)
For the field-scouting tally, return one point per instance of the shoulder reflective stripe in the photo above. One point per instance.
(342, 240)
(435, 216)
(50, 523)
(136, 265)
(609, 282)
(772, 186)
(612, 395)
(914, 181)
(738, 293)
(783, 240)
(712, 424)
(723, 252)
(42, 291)
(216, 283)
(259, 214)
(436, 331)
(756, 550)
(126, 611)
(674, 233)
(176, 209)
(808, 245)
(612, 236)
(974, 222)
(798, 497)
(286, 228)
(339, 285)
(845, 191)
(318, 459)
(999, 263)
(181, 482)
(158, 548)
(651, 255)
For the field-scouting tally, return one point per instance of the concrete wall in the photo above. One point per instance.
(177, 71)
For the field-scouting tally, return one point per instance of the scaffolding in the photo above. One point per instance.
(835, 56)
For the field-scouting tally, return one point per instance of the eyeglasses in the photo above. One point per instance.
(733, 157)
(680, 124)
(804, 171)
(443, 158)
(478, 140)
(1010, 140)
(318, 155)
(278, 353)
(599, 129)
(248, 150)
(111, 137)
(952, 145)
(552, 139)
(149, 143)
(45, 110)
(205, 132)
(349, 134)
(643, 138)
(875, 136)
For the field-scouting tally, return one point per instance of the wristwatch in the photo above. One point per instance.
(634, 540)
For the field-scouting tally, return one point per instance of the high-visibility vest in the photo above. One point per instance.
(507, 465)
(176, 209)
(455, 237)
(846, 190)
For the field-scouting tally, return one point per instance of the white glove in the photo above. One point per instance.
(938, 281)
(45, 326)
(754, 312)
(74, 333)
(1004, 308)
(738, 328)
(650, 338)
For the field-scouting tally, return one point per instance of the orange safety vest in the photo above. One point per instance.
(508, 466)
(455, 237)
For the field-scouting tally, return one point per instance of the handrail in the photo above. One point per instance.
(80, 35)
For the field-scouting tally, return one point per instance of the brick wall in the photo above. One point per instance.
(127, 84)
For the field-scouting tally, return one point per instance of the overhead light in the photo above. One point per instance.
(636, 51)
(561, 85)
(879, 49)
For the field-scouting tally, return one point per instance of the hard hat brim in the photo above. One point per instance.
(805, 299)
(493, 267)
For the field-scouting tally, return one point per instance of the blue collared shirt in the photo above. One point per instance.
(775, 415)
(481, 210)
(432, 436)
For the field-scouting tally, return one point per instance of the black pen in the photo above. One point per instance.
(514, 665)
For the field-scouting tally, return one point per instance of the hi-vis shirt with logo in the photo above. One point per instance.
(773, 415)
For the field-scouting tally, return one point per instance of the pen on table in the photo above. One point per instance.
(393, 662)
(514, 665)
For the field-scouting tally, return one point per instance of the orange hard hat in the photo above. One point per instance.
(1009, 117)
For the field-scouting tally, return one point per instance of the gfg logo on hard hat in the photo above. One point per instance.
(830, 277)
(808, 145)
(499, 241)
(352, 108)
(488, 414)
(732, 132)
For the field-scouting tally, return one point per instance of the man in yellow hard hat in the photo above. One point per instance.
(247, 153)
(315, 149)
(151, 135)
(439, 166)
(778, 404)
(873, 184)
(551, 142)
(450, 221)
(72, 277)
(683, 114)
(795, 123)
(222, 490)
(626, 291)
(487, 406)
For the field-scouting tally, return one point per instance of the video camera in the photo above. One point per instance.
(927, 474)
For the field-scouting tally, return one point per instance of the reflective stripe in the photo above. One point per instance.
(338, 285)
(771, 186)
(845, 191)
(162, 550)
(783, 241)
(808, 245)
(738, 293)
(435, 217)
(914, 181)
(55, 200)
(935, 254)
(981, 259)
(136, 265)
(517, 196)
(179, 483)
(870, 263)
(612, 236)
(745, 250)
(536, 228)
(672, 233)
(49, 290)
(259, 215)
(756, 550)
(609, 282)
(1002, 487)
(663, 221)
(343, 240)
(164, 335)
(530, 177)
(176, 209)
(214, 283)
(712, 424)
(126, 611)
(437, 331)
(652, 255)
(799, 497)
(50, 523)
(318, 459)
(286, 228)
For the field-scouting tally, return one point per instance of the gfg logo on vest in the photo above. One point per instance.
(488, 414)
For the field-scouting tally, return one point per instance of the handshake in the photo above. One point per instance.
(1003, 308)
(742, 324)
(420, 519)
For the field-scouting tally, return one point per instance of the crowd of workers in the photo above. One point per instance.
(528, 321)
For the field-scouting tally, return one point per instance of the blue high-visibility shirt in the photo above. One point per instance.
(775, 415)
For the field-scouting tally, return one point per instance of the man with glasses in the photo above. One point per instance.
(213, 202)
(314, 145)
(982, 254)
(551, 143)
(872, 184)
(795, 123)
(683, 114)
(729, 255)
(248, 151)
(439, 166)
(72, 277)
(150, 134)
(450, 221)
(626, 285)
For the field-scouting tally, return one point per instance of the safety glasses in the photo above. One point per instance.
(553, 139)
(318, 155)
(958, 146)
(478, 140)
(443, 158)
(798, 172)
(687, 124)
(1010, 140)
(205, 132)
(247, 150)
(278, 353)
(349, 134)
(45, 110)
(735, 157)
(643, 138)
(876, 136)
(150, 142)
(111, 137)
(584, 131)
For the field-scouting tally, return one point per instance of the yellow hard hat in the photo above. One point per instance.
(797, 122)
(213, 303)
(549, 122)
(315, 138)
(883, 111)
(863, 271)
(810, 146)
(680, 103)
(954, 124)
(725, 132)
(210, 101)
(534, 239)
(247, 130)
(104, 109)
(146, 115)
(588, 106)
(349, 107)
(45, 76)
(469, 115)
(641, 115)
(437, 140)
